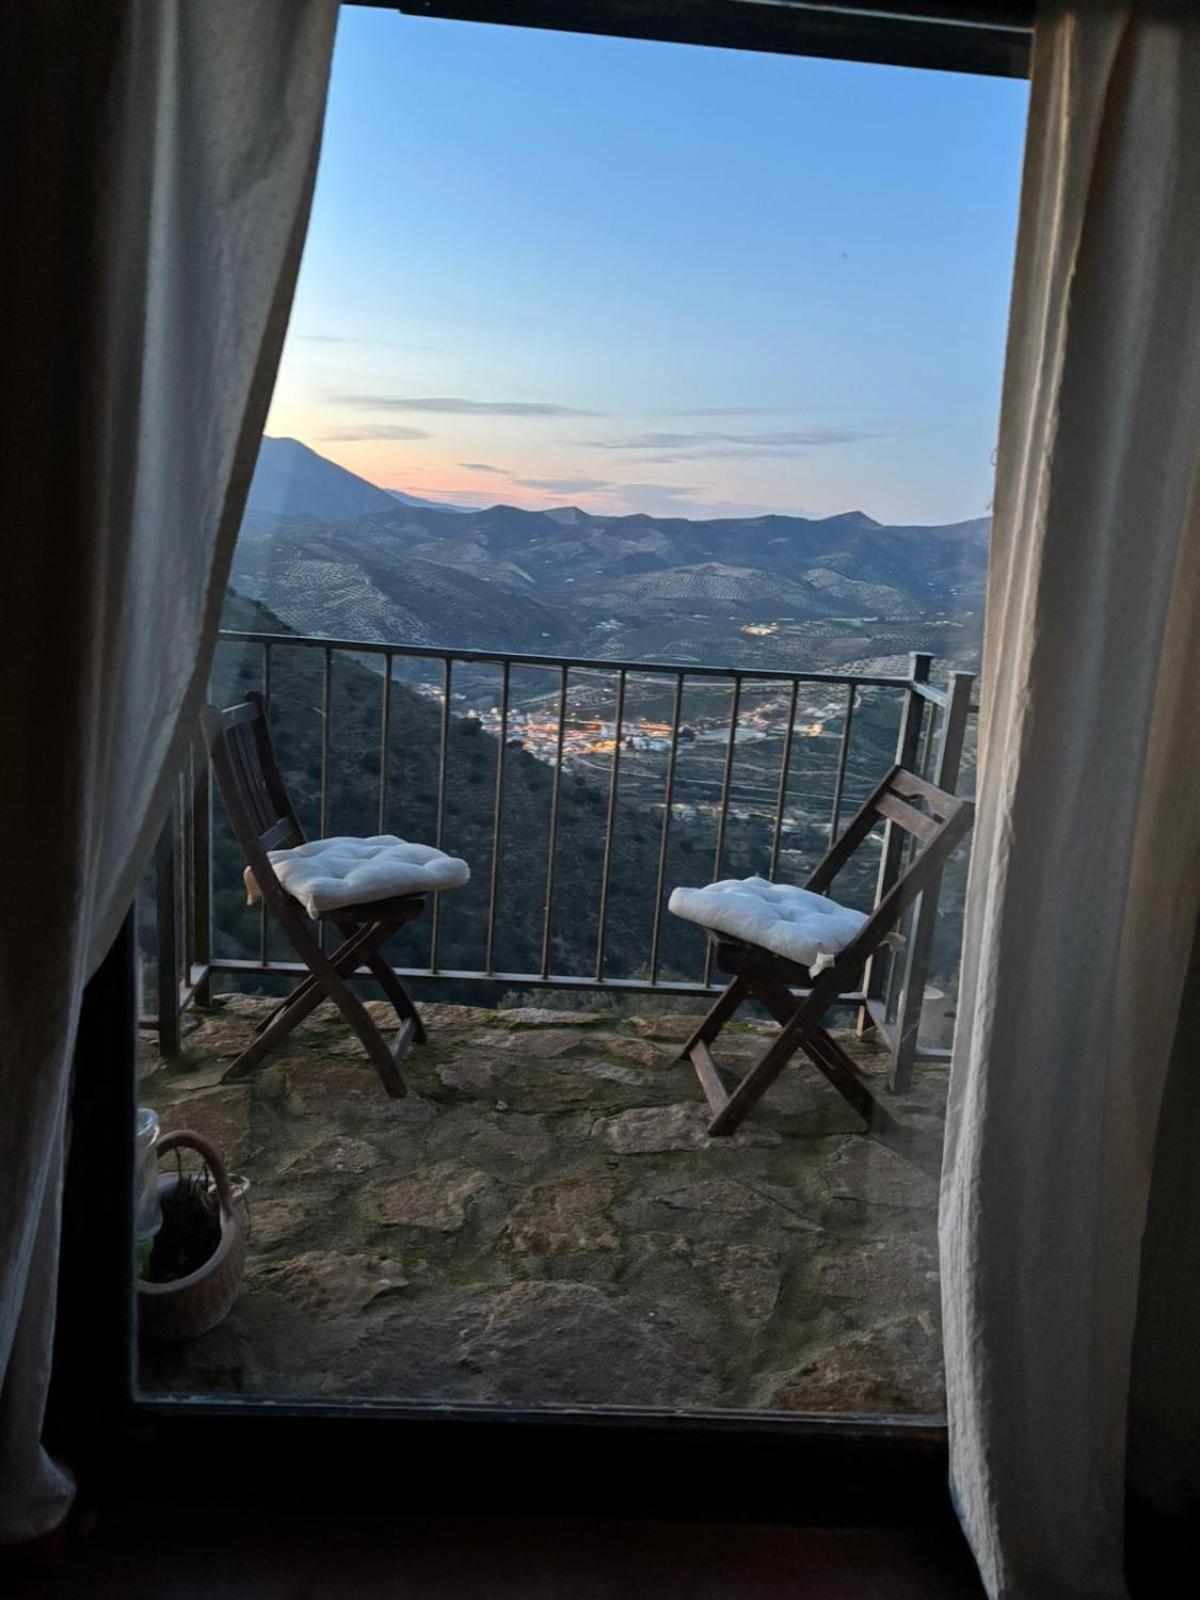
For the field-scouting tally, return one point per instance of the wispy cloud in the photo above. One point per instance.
(481, 466)
(566, 485)
(456, 406)
(661, 492)
(738, 411)
(341, 338)
(712, 444)
(375, 430)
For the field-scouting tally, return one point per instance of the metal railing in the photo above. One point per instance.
(931, 729)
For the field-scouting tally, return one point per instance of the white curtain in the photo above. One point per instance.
(158, 162)
(1085, 878)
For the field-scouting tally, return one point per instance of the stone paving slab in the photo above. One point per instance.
(543, 1219)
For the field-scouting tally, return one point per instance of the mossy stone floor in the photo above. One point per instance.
(543, 1221)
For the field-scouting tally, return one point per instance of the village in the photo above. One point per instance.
(589, 739)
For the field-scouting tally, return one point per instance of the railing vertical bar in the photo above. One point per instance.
(548, 909)
(876, 975)
(489, 955)
(664, 837)
(723, 816)
(186, 922)
(614, 775)
(202, 870)
(264, 929)
(924, 914)
(326, 707)
(183, 858)
(839, 781)
(954, 730)
(326, 711)
(385, 728)
(440, 819)
(932, 723)
(166, 916)
(784, 766)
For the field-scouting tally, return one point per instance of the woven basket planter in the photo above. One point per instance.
(184, 1308)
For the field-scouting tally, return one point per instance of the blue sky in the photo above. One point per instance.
(548, 269)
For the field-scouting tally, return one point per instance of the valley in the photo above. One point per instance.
(841, 595)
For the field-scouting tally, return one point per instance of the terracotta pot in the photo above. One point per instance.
(184, 1308)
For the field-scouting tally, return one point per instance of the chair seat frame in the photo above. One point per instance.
(937, 821)
(263, 819)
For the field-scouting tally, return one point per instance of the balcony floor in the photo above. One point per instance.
(543, 1221)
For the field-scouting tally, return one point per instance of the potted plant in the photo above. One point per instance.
(194, 1266)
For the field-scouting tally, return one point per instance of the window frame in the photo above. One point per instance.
(413, 1458)
(990, 37)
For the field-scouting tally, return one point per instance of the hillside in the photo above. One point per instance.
(364, 585)
(332, 554)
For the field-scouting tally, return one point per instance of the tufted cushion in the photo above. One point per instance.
(807, 928)
(327, 873)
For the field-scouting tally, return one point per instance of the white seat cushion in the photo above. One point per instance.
(326, 874)
(807, 928)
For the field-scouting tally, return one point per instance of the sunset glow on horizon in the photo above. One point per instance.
(548, 269)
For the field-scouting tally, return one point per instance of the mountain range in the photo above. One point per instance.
(331, 553)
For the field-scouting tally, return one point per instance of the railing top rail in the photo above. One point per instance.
(929, 691)
(691, 669)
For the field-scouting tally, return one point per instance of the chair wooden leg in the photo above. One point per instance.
(394, 990)
(293, 1008)
(402, 1002)
(753, 1086)
(280, 1023)
(696, 1049)
(302, 988)
(327, 982)
(349, 930)
(387, 980)
(373, 1042)
(357, 1015)
(830, 1060)
(716, 1017)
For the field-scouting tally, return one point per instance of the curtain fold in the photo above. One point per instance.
(157, 160)
(1085, 876)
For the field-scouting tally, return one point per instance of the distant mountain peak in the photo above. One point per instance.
(291, 479)
(849, 519)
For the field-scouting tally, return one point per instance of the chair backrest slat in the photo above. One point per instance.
(909, 787)
(920, 874)
(937, 828)
(248, 776)
(908, 817)
(279, 835)
(248, 711)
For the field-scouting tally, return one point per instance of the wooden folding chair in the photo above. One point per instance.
(937, 821)
(262, 819)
